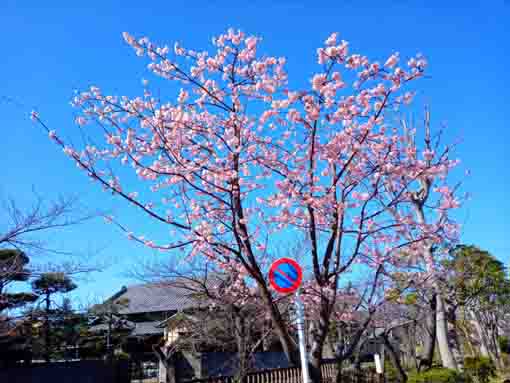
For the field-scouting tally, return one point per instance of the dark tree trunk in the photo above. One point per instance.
(430, 337)
(241, 335)
(109, 349)
(315, 366)
(47, 328)
(281, 328)
(266, 342)
(339, 370)
(319, 334)
(455, 344)
(402, 376)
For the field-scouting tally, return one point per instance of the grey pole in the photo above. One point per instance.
(301, 333)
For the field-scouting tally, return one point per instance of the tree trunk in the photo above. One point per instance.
(484, 349)
(429, 332)
(407, 345)
(266, 342)
(402, 376)
(241, 347)
(357, 363)
(447, 358)
(415, 345)
(410, 333)
(315, 364)
(319, 334)
(500, 363)
(339, 369)
(109, 351)
(355, 347)
(489, 329)
(47, 328)
(167, 373)
(281, 328)
(455, 344)
(445, 351)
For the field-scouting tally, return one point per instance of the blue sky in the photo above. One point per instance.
(51, 48)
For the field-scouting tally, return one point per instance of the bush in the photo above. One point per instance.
(504, 344)
(390, 372)
(121, 355)
(479, 369)
(437, 375)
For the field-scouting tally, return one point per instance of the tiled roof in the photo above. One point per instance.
(154, 297)
(134, 328)
(121, 325)
(147, 328)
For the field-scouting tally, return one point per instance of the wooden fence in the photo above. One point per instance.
(293, 375)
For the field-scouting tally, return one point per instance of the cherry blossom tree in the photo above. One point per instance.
(240, 158)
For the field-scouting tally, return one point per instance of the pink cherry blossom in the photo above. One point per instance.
(237, 160)
(392, 60)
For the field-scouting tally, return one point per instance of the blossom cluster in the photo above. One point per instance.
(237, 156)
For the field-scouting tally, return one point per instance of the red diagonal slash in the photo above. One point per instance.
(294, 282)
(286, 276)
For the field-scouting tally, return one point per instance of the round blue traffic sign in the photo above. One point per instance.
(285, 275)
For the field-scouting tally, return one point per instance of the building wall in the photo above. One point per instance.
(84, 371)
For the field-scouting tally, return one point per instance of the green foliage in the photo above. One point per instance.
(390, 372)
(475, 274)
(66, 329)
(392, 295)
(110, 307)
(16, 300)
(122, 355)
(437, 375)
(13, 337)
(504, 344)
(411, 299)
(12, 265)
(12, 269)
(479, 369)
(54, 282)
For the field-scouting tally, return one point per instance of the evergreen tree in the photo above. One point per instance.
(109, 313)
(47, 285)
(13, 339)
(13, 269)
(479, 285)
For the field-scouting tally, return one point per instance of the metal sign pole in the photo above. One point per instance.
(301, 334)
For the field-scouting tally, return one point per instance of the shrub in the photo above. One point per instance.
(479, 369)
(504, 344)
(390, 372)
(122, 355)
(437, 375)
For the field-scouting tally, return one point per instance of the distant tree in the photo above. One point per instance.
(67, 330)
(46, 286)
(477, 283)
(24, 233)
(109, 313)
(12, 269)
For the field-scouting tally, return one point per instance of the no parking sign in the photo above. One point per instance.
(285, 275)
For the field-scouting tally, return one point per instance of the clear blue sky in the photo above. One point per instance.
(51, 48)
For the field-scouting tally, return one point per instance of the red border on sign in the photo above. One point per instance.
(296, 284)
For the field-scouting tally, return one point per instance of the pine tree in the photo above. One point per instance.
(47, 285)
